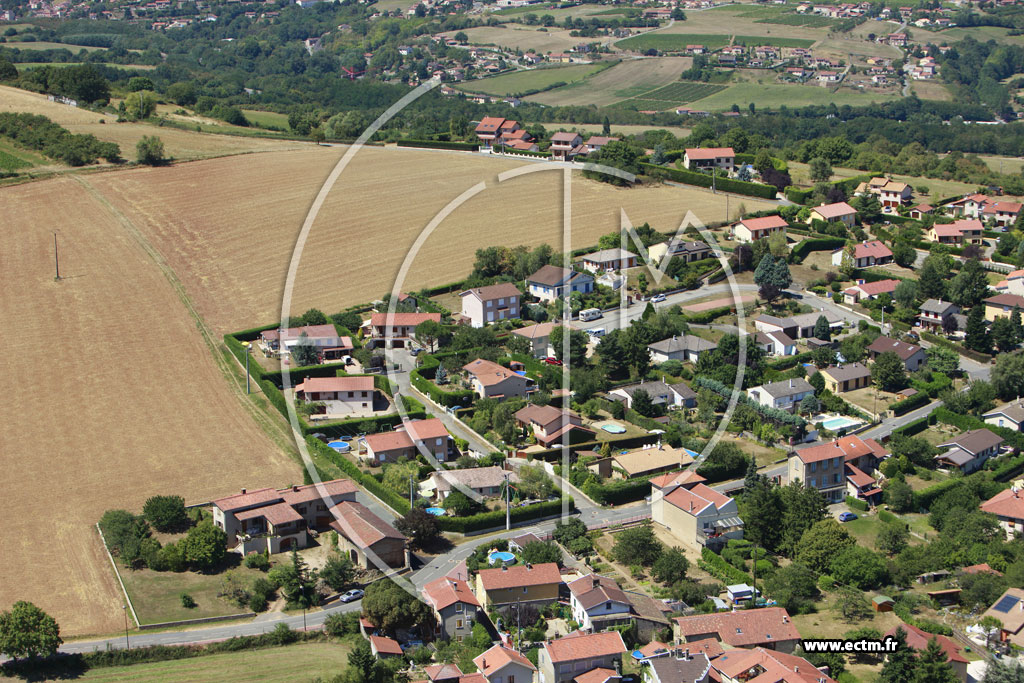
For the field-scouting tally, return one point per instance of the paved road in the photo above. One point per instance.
(619, 318)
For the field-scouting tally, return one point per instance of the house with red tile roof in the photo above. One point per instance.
(825, 467)
(865, 254)
(918, 640)
(695, 513)
(1008, 507)
(562, 660)
(454, 606)
(522, 583)
(752, 229)
(491, 380)
(840, 212)
(768, 627)
(565, 146)
(866, 291)
(921, 210)
(407, 440)
(493, 128)
(328, 343)
(964, 231)
(486, 482)
(368, 540)
(701, 158)
(383, 647)
(501, 664)
(401, 327)
(1002, 306)
(348, 395)
(770, 666)
(1003, 214)
(278, 520)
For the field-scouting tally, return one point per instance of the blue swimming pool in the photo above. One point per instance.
(340, 446)
(501, 556)
(437, 512)
(692, 454)
(614, 429)
(837, 423)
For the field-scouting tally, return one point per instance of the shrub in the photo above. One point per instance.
(857, 503)
(257, 561)
(187, 601)
(166, 513)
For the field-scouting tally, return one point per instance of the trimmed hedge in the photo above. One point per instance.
(702, 180)
(915, 427)
(963, 351)
(801, 250)
(715, 564)
(924, 498)
(857, 503)
(906, 405)
(440, 144)
(618, 492)
(798, 196)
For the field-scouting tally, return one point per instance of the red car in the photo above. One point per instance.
(551, 360)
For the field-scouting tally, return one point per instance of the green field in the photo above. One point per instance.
(300, 662)
(156, 596)
(807, 20)
(14, 158)
(9, 162)
(671, 42)
(775, 96)
(44, 45)
(671, 96)
(537, 9)
(531, 80)
(28, 66)
(752, 41)
(264, 119)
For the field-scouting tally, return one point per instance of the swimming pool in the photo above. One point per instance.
(437, 512)
(614, 429)
(839, 422)
(692, 454)
(340, 446)
(501, 556)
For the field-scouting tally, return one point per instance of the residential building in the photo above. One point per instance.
(763, 664)
(609, 259)
(860, 484)
(491, 380)
(454, 606)
(969, 451)
(1009, 610)
(595, 143)
(564, 146)
(693, 512)
(368, 540)
(829, 467)
(849, 377)
(754, 229)
(324, 338)
(407, 441)
(840, 212)
(272, 520)
(485, 305)
(869, 290)
(797, 326)
(1002, 214)
(921, 210)
(865, 254)
(918, 640)
(501, 664)
(678, 665)
(769, 628)
(552, 282)
(1002, 306)
(564, 659)
(354, 392)
(968, 206)
(961, 232)
(400, 328)
(891, 193)
(383, 647)
(1008, 507)
(594, 595)
(539, 336)
(784, 395)
(912, 355)
(552, 426)
(723, 158)
(1010, 416)
(686, 348)
(649, 460)
(688, 252)
(522, 583)
(486, 482)
(669, 395)
(934, 314)
(492, 129)
(775, 343)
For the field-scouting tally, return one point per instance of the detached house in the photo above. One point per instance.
(1008, 506)
(492, 129)
(595, 143)
(797, 326)
(1009, 610)
(539, 336)
(840, 212)
(504, 665)
(842, 378)
(686, 348)
(368, 540)
(688, 252)
(696, 158)
(969, 451)
(693, 512)
(594, 596)
(485, 305)
(522, 583)
(1002, 214)
(827, 467)
(551, 425)
(609, 259)
(486, 482)
(912, 355)
(678, 665)
(967, 231)
(565, 146)
(1010, 416)
(753, 229)
(769, 627)
(775, 343)
(669, 395)
(491, 380)
(399, 327)
(454, 607)
(934, 314)
(569, 657)
(865, 254)
(740, 666)
(406, 440)
(869, 290)
(784, 395)
(918, 640)
(1002, 306)
(551, 282)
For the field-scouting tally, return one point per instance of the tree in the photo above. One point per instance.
(822, 542)
(901, 664)
(941, 359)
(205, 546)
(803, 507)
(643, 405)
(139, 105)
(1003, 335)
(899, 495)
(809, 405)
(794, 587)
(150, 151)
(932, 665)
(297, 582)
(670, 567)
(858, 566)
(617, 154)
(577, 344)
(820, 170)
(762, 506)
(338, 572)
(166, 513)
(1003, 671)
(420, 527)
(8, 72)
(905, 293)
(970, 286)
(977, 336)
(852, 604)
(27, 631)
(534, 482)
(822, 329)
(637, 546)
(772, 276)
(541, 552)
(606, 127)
(904, 254)
(1008, 375)
(428, 332)
(460, 504)
(315, 316)
(933, 275)
(888, 372)
(390, 607)
(362, 662)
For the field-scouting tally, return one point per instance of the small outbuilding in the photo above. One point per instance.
(882, 603)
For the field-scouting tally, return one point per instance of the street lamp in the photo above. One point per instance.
(302, 589)
(124, 608)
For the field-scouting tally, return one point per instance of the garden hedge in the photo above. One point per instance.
(906, 405)
(680, 175)
(715, 564)
(801, 250)
(440, 144)
(857, 503)
(963, 351)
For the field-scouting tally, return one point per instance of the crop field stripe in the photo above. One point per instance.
(9, 162)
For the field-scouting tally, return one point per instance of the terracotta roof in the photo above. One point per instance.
(593, 589)
(834, 210)
(403, 319)
(442, 672)
(697, 498)
(982, 568)
(676, 478)
(876, 288)
(775, 667)
(918, 640)
(599, 675)
(276, 514)
(297, 495)
(519, 576)
(579, 645)
(248, 499)
(497, 658)
(487, 372)
(901, 349)
(360, 525)
(383, 645)
(311, 331)
(1007, 300)
(763, 223)
(564, 137)
(744, 628)
(709, 646)
(708, 153)
(420, 430)
(444, 592)
(1008, 503)
(859, 478)
(538, 331)
(489, 124)
(327, 384)
(501, 290)
(873, 248)
(850, 447)
(647, 459)
(971, 224)
(599, 141)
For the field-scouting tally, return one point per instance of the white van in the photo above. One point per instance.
(590, 314)
(596, 332)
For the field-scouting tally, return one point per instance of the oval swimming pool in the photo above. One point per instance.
(614, 429)
(340, 446)
(437, 512)
(501, 556)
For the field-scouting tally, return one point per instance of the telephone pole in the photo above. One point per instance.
(56, 255)
(508, 512)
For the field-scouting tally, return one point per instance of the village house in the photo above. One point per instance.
(868, 290)
(609, 259)
(693, 512)
(552, 282)
(491, 380)
(740, 666)
(752, 229)
(891, 193)
(677, 395)
(524, 584)
(797, 326)
(407, 440)
(678, 665)
(969, 206)
(917, 639)
(1002, 306)
(1013, 284)
(564, 146)
(648, 460)
(485, 482)
(381, 647)
(348, 395)
(594, 596)
(768, 627)
(568, 657)
(1009, 610)
(842, 378)
(686, 348)
(775, 343)
(1008, 507)
(454, 607)
(595, 143)
(697, 158)
(865, 254)
(501, 664)
(400, 328)
(964, 231)
(912, 355)
(935, 313)
(324, 338)
(551, 425)
(485, 305)
(363, 535)
(539, 336)
(862, 485)
(1010, 416)
(783, 395)
(1001, 214)
(688, 252)
(827, 467)
(840, 212)
(921, 210)
(969, 451)
(491, 128)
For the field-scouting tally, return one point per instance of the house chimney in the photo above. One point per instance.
(529, 566)
(796, 668)
(295, 487)
(243, 491)
(597, 582)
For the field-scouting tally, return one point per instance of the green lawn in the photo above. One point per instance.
(44, 45)
(263, 119)
(14, 158)
(300, 662)
(671, 42)
(156, 596)
(776, 95)
(531, 80)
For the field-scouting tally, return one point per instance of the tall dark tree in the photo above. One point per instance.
(977, 335)
(901, 665)
(932, 665)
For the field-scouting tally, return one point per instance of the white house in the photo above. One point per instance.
(685, 347)
(551, 282)
(485, 305)
(753, 229)
(594, 596)
(696, 158)
(784, 395)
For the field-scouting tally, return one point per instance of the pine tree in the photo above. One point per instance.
(441, 375)
(821, 329)
(1015, 321)
(901, 665)
(977, 338)
(932, 666)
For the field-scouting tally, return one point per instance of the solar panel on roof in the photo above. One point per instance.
(1006, 603)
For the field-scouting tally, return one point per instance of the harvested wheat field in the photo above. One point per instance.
(114, 396)
(180, 144)
(228, 226)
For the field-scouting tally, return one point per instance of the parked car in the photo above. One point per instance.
(847, 516)
(551, 360)
(416, 351)
(352, 595)
(657, 298)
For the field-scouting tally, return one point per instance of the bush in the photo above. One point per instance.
(857, 503)
(166, 513)
(702, 180)
(906, 405)
(257, 561)
(801, 250)
(187, 601)
(440, 144)
(150, 151)
(716, 566)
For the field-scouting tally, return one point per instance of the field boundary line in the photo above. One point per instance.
(117, 573)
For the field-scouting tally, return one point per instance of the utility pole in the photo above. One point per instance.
(124, 608)
(508, 512)
(56, 256)
(754, 565)
(412, 502)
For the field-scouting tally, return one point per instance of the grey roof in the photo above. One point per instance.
(608, 255)
(809, 319)
(901, 349)
(652, 388)
(554, 275)
(937, 306)
(672, 669)
(957, 456)
(975, 441)
(787, 387)
(686, 342)
(961, 321)
(474, 478)
(678, 246)
(844, 373)
(684, 391)
(780, 337)
(1014, 411)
